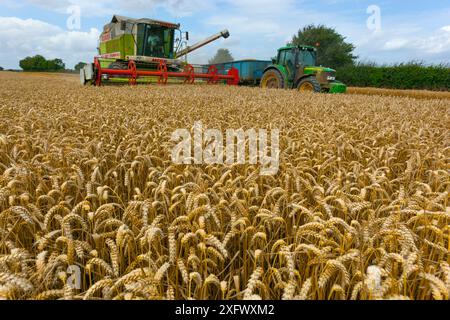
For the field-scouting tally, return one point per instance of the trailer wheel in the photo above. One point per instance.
(309, 85)
(272, 79)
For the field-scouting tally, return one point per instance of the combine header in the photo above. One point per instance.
(144, 49)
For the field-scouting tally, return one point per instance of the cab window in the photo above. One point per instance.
(287, 59)
(281, 57)
(155, 42)
(308, 57)
(290, 59)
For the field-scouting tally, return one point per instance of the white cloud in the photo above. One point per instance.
(446, 28)
(262, 26)
(245, 25)
(26, 37)
(102, 8)
(262, 8)
(436, 43)
(395, 44)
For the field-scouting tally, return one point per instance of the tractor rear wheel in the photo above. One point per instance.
(272, 79)
(309, 85)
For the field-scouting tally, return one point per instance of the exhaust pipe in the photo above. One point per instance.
(225, 34)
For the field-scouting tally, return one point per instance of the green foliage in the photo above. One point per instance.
(332, 50)
(1, 69)
(39, 63)
(222, 56)
(412, 75)
(79, 66)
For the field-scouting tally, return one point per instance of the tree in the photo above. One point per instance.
(79, 66)
(56, 65)
(39, 63)
(1, 69)
(222, 56)
(332, 49)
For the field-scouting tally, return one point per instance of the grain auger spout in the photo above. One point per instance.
(223, 34)
(148, 50)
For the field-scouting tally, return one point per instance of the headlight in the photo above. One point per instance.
(330, 78)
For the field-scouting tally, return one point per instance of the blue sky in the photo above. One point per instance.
(408, 30)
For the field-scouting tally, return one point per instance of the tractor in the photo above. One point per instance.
(295, 68)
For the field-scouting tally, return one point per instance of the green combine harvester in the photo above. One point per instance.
(137, 49)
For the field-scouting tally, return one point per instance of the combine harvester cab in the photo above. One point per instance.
(146, 50)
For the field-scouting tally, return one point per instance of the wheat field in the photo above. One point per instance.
(92, 207)
(418, 94)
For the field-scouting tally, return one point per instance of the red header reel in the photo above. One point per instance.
(162, 74)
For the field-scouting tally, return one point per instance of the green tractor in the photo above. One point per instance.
(295, 68)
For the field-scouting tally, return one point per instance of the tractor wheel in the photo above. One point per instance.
(309, 85)
(272, 79)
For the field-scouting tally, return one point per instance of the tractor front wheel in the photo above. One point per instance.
(272, 79)
(309, 85)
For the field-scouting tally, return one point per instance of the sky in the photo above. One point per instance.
(383, 31)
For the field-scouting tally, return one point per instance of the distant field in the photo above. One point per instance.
(420, 94)
(359, 208)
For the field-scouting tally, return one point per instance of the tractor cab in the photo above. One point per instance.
(297, 55)
(294, 59)
(295, 68)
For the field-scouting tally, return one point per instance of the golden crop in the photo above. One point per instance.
(418, 94)
(358, 210)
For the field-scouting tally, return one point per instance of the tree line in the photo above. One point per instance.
(41, 64)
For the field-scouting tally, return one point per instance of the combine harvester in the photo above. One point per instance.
(146, 49)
